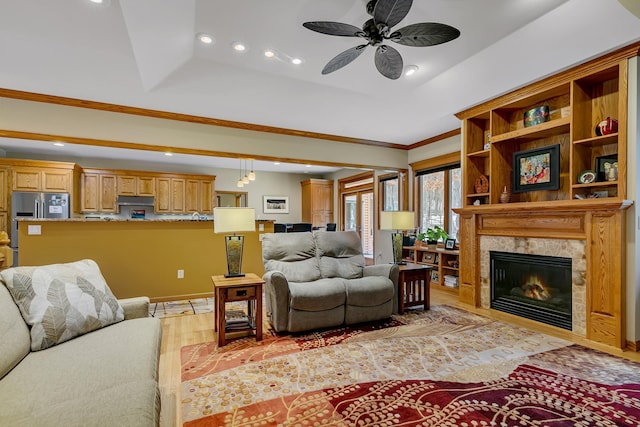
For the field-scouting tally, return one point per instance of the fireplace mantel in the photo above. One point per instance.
(599, 222)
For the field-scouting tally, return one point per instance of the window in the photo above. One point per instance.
(438, 190)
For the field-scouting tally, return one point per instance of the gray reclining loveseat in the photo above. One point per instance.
(319, 280)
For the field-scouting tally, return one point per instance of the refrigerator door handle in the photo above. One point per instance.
(42, 212)
(36, 210)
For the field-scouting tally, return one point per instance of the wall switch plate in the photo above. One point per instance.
(34, 230)
(180, 274)
(260, 227)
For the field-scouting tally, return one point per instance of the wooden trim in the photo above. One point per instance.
(177, 150)
(114, 108)
(433, 139)
(153, 174)
(633, 346)
(581, 70)
(434, 162)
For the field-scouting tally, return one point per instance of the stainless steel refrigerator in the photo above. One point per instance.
(35, 205)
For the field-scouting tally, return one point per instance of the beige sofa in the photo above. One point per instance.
(107, 377)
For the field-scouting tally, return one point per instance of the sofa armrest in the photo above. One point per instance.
(276, 289)
(135, 307)
(387, 270)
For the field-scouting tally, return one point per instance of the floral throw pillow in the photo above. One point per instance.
(62, 301)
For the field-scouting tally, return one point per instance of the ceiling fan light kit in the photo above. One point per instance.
(376, 31)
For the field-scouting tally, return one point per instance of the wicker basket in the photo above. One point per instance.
(482, 184)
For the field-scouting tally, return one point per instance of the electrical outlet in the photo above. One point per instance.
(34, 230)
(180, 274)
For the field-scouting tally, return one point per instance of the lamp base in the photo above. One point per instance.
(234, 255)
(396, 240)
(234, 275)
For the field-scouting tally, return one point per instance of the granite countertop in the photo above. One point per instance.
(120, 220)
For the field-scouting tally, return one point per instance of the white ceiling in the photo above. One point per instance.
(143, 53)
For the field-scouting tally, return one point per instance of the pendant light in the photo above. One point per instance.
(252, 174)
(240, 184)
(245, 178)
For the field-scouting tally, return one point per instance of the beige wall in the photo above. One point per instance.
(51, 119)
(633, 220)
(142, 257)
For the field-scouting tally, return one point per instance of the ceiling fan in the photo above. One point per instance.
(386, 14)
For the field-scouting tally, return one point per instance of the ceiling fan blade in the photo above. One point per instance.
(391, 12)
(388, 62)
(343, 59)
(425, 34)
(333, 28)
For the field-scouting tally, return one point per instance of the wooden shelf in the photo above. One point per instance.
(483, 153)
(478, 195)
(440, 266)
(598, 141)
(543, 130)
(596, 184)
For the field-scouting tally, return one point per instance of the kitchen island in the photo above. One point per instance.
(140, 256)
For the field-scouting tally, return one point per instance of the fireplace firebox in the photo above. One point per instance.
(533, 286)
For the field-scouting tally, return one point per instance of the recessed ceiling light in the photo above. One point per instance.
(100, 2)
(269, 53)
(307, 166)
(239, 47)
(276, 163)
(296, 61)
(410, 70)
(168, 154)
(205, 38)
(58, 144)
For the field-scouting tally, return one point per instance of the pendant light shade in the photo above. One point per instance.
(252, 174)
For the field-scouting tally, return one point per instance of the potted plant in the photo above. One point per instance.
(432, 235)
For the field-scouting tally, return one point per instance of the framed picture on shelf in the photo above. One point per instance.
(536, 169)
(275, 204)
(450, 244)
(429, 257)
(603, 167)
(435, 278)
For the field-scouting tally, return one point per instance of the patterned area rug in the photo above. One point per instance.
(443, 367)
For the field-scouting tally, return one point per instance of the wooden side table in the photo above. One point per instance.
(413, 286)
(248, 288)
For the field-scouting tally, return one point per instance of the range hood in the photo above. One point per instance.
(135, 201)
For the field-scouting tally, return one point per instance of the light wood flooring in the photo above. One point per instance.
(192, 329)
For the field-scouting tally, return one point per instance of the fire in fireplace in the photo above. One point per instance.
(533, 286)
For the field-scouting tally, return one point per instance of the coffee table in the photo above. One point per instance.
(247, 288)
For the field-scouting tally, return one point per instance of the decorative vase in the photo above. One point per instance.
(505, 196)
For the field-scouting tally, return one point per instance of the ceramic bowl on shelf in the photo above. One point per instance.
(587, 177)
(607, 127)
(535, 116)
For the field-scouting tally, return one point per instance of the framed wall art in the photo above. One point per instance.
(536, 169)
(275, 204)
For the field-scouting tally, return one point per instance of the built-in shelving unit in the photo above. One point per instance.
(444, 262)
(575, 106)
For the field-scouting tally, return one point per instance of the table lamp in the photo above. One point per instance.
(397, 221)
(234, 220)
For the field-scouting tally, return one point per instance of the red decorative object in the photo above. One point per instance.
(482, 184)
(607, 126)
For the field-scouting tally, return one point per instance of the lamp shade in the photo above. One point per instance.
(397, 220)
(234, 220)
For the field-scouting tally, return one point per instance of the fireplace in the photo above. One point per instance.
(536, 287)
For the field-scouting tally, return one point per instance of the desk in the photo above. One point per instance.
(248, 288)
(413, 286)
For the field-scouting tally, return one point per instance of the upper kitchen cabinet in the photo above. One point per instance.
(49, 178)
(199, 195)
(98, 189)
(132, 185)
(170, 195)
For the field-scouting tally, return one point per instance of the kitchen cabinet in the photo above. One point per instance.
(4, 190)
(317, 202)
(170, 195)
(199, 195)
(131, 185)
(98, 192)
(51, 180)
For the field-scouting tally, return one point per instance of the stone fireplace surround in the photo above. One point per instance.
(574, 249)
(590, 232)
